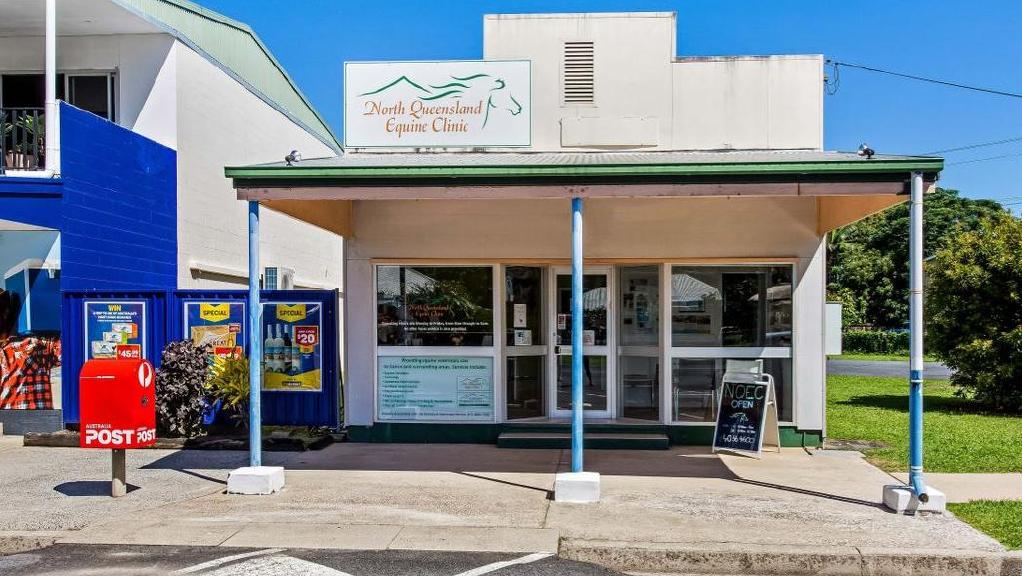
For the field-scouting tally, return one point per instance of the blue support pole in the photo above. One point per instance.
(255, 342)
(915, 395)
(576, 335)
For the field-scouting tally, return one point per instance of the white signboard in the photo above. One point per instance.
(435, 388)
(468, 103)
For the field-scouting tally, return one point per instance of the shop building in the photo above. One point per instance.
(707, 200)
(115, 182)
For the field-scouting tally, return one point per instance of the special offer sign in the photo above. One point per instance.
(118, 404)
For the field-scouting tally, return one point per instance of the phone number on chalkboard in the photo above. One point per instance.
(739, 439)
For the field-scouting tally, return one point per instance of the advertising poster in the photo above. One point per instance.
(432, 388)
(115, 329)
(292, 347)
(221, 325)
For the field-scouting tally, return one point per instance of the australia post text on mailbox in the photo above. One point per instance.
(118, 404)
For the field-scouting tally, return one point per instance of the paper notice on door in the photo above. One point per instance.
(520, 313)
(589, 337)
(562, 321)
(523, 337)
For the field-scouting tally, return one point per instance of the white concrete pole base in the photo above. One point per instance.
(902, 499)
(577, 487)
(255, 480)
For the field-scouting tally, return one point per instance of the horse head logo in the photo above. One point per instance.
(492, 91)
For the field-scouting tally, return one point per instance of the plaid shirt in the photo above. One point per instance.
(25, 364)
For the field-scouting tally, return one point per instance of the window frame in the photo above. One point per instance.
(493, 351)
(672, 352)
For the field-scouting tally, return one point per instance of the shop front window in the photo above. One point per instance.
(696, 386)
(731, 306)
(727, 313)
(639, 342)
(434, 305)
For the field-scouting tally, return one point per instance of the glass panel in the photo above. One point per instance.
(640, 306)
(90, 93)
(780, 369)
(640, 387)
(694, 389)
(434, 305)
(594, 309)
(695, 384)
(731, 306)
(525, 384)
(594, 382)
(27, 90)
(523, 310)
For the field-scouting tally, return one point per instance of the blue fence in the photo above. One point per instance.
(166, 322)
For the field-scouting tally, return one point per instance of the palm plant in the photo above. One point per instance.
(228, 381)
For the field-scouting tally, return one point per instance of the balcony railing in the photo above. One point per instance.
(21, 139)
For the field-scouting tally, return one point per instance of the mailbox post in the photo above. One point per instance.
(118, 411)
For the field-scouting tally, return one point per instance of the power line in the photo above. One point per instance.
(836, 63)
(972, 146)
(1002, 156)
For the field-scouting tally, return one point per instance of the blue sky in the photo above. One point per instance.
(968, 42)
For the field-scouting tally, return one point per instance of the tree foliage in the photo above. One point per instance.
(867, 262)
(974, 310)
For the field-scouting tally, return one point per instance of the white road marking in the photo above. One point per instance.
(276, 565)
(225, 560)
(498, 565)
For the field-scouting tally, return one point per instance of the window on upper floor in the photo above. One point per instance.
(93, 92)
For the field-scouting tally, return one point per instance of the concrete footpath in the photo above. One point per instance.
(682, 510)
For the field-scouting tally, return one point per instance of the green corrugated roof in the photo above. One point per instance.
(238, 50)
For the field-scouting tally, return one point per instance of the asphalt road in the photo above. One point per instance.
(82, 560)
(897, 369)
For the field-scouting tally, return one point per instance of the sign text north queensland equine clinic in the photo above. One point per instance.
(437, 104)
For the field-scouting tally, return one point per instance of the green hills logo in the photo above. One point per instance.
(484, 87)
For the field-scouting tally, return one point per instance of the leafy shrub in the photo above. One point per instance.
(974, 307)
(875, 342)
(180, 388)
(228, 381)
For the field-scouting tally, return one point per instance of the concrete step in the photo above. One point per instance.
(594, 440)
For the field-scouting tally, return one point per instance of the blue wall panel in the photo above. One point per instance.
(165, 317)
(31, 201)
(74, 340)
(284, 408)
(119, 226)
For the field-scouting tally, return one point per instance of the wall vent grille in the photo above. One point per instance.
(578, 73)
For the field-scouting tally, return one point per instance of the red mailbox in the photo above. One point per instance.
(118, 404)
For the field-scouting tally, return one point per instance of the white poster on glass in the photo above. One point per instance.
(435, 388)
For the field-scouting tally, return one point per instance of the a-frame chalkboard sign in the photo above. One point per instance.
(746, 414)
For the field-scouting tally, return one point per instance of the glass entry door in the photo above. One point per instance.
(597, 362)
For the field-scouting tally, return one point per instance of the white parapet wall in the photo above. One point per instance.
(221, 123)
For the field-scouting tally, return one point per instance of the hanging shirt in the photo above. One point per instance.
(25, 364)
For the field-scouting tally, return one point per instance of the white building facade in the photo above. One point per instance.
(707, 200)
(151, 67)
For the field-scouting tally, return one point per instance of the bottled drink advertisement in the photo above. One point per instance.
(292, 347)
(114, 329)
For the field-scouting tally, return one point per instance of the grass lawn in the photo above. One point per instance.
(999, 520)
(871, 356)
(957, 435)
